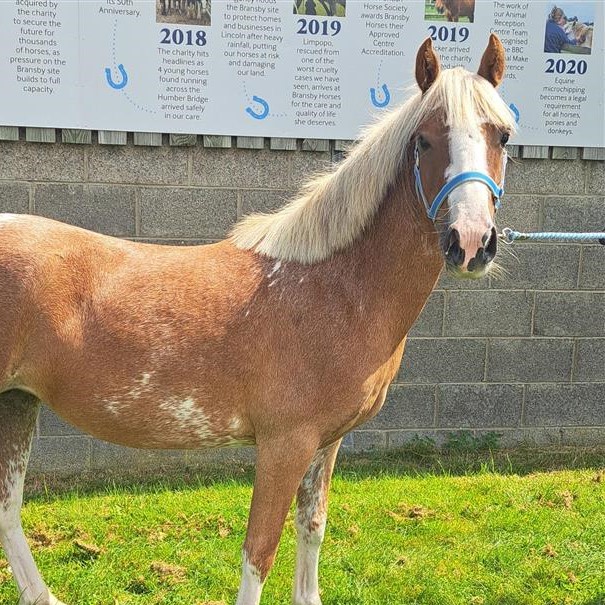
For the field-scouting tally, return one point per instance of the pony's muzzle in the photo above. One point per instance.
(468, 257)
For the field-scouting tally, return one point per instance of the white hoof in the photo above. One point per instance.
(52, 600)
(41, 600)
(307, 600)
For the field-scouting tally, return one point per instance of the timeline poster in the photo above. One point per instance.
(290, 68)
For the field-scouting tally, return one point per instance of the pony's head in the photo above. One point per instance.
(460, 157)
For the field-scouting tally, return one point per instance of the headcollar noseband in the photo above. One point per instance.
(433, 207)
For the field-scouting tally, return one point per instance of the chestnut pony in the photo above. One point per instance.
(286, 335)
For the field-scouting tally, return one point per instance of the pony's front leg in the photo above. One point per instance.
(280, 467)
(311, 517)
(18, 413)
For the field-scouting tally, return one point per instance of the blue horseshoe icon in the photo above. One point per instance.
(515, 111)
(117, 85)
(385, 92)
(258, 115)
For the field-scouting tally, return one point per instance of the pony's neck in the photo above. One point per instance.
(399, 262)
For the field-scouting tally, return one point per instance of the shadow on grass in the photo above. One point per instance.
(415, 460)
(598, 600)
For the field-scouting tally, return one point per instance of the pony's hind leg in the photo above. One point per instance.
(311, 516)
(18, 413)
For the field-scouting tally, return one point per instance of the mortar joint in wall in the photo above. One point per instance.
(32, 194)
(488, 343)
(574, 359)
(580, 267)
(137, 211)
(190, 166)
(532, 320)
(541, 212)
(30, 201)
(446, 299)
(86, 163)
(239, 212)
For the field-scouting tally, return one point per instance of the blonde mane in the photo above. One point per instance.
(333, 209)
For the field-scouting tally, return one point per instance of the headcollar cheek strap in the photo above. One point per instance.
(418, 179)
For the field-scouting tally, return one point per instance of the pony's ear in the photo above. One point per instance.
(492, 62)
(427, 65)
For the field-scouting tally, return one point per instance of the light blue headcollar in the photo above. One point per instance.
(463, 177)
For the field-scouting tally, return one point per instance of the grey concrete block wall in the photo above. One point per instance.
(521, 353)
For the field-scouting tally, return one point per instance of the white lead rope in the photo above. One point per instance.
(509, 236)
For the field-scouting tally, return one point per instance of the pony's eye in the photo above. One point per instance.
(423, 144)
(504, 138)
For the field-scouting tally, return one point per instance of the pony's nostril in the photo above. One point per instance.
(490, 244)
(454, 253)
(453, 237)
(486, 253)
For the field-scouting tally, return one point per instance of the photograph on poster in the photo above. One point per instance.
(185, 12)
(569, 28)
(323, 8)
(450, 10)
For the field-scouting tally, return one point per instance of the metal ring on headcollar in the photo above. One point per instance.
(453, 183)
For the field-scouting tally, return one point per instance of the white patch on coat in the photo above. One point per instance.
(119, 403)
(189, 416)
(114, 406)
(276, 268)
(251, 585)
(141, 385)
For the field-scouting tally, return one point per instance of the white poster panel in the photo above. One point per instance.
(289, 68)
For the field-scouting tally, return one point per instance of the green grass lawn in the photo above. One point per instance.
(405, 528)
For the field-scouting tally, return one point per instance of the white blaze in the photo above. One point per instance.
(470, 203)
